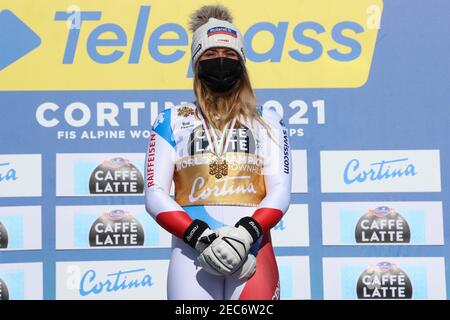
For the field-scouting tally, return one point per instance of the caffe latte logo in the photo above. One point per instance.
(382, 225)
(4, 294)
(3, 236)
(116, 176)
(241, 140)
(384, 281)
(116, 228)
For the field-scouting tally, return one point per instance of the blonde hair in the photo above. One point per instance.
(219, 109)
(240, 101)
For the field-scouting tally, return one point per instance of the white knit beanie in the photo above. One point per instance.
(216, 33)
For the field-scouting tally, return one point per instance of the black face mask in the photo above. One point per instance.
(220, 74)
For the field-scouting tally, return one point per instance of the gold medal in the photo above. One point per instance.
(218, 167)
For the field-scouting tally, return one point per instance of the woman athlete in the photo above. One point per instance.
(231, 165)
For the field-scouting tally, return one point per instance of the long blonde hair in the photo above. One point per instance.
(240, 102)
(220, 109)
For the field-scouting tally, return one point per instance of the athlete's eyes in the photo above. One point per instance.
(210, 54)
(231, 54)
(215, 53)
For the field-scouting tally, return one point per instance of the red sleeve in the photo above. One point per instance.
(176, 222)
(267, 218)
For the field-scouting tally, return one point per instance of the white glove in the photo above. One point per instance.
(238, 238)
(206, 238)
(228, 252)
(247, 269)
(214, 267)
(201, 242)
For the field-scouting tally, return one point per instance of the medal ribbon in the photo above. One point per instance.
(216, 146)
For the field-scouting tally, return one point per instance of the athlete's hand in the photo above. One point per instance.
(236, 241)
(237, 238)
(226, 257)
(247, 269)
(206, 238)
(226, 253)
(199, 236)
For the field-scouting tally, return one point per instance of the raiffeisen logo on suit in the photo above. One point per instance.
(380, 171)
(102, 227)
(20, 228)
(112, 280)
(21, 281)
(383, 223)
(384, 278)
(110, 45)
(99, 174)
(20, 175)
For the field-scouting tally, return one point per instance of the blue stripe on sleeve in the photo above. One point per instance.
(162, 127)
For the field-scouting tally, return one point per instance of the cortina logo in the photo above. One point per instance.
(92, 284)
(377, 171)
(7, 173)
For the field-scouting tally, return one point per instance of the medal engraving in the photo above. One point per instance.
(218, 168)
